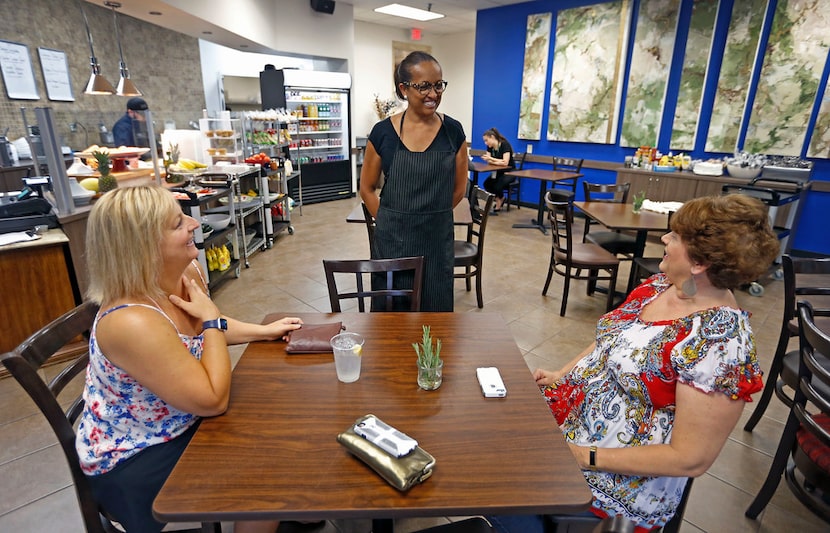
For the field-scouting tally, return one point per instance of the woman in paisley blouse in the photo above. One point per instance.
(652, 401)
(158, 351)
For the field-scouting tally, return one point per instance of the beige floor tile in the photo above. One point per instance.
(288, 278)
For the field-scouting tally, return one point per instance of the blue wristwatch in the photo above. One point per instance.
(219, 323)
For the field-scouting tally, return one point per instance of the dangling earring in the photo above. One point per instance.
(689, 287)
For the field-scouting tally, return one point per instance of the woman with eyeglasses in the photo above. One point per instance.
(423, 156)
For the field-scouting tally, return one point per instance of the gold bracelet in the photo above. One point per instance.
(592, 458)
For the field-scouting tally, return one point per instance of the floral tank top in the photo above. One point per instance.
(120, 416)
(623, 393)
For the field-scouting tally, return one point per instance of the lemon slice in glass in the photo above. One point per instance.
(357, 349)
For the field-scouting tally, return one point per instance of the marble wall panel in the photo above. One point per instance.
(649, 75)
(794, 62)
(820, 141)
(693, 75)
(739, 58)
(534, 76)
(588, 64)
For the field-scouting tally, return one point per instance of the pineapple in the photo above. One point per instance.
(106, 182)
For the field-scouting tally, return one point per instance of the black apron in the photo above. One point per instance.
(415, 218)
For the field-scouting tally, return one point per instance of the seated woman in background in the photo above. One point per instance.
(158, 351)
(499, 153)
(652, 401)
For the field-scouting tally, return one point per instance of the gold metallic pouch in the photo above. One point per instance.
(402, 473)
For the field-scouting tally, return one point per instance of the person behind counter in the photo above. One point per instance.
(423, 155)
(130, 129)
(158, 351)
(652, 401)
(499, 153)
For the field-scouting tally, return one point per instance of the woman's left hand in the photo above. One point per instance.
(282, 327)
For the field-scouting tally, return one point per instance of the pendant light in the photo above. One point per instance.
(97, 84)
(126, 87)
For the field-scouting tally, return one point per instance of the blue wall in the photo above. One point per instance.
(499, 57)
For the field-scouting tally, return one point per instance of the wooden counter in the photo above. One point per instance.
(37, 286)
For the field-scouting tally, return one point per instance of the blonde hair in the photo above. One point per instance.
(123, 242)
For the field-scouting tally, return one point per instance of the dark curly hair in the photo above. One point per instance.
(729, 234)
(403, 70)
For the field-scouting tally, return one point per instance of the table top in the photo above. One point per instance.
(274, 454)
(483, 166)
(544, 174)
(622, 217)
(460, 214)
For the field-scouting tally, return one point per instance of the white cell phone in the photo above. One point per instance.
(394, 442)
(491, 383)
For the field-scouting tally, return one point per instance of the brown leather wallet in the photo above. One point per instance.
(313, 338)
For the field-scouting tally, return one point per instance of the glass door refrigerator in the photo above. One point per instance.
(320, 138)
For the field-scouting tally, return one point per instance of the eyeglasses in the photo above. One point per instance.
(424, 87)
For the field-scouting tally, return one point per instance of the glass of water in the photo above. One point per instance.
(348, 352)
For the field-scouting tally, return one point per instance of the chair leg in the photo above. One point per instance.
(479, 295)
(779, 463)
(763, 401)
(467, 279)
(612, 284)
(565, 292)
(550, 275)
(592, 281)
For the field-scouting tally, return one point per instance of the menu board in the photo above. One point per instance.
(16, 67)
(56, 74)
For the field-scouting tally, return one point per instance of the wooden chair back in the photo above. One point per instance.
(24, 364)
(567, 164)
(561, 215)
(370, 224)
(469, 254)
(409, 270)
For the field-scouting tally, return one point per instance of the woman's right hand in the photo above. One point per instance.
(198, 304)
(547, 377)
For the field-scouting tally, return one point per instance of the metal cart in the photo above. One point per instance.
(781, 191)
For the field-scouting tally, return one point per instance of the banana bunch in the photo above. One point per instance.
(189, 164)
(186, 165)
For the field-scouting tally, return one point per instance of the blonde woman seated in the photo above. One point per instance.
(652, 401)
(158, 351)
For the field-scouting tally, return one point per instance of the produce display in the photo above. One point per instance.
(186, 166)
(258, 159)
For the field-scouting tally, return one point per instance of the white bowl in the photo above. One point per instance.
(747, 173)
(217, 221)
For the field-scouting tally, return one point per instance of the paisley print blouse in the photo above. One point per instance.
(623, 393)
(120, 416)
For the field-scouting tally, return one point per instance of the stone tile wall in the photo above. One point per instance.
(165, 65)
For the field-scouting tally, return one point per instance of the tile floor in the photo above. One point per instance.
(35, 487)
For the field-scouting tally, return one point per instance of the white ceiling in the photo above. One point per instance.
(460, 16)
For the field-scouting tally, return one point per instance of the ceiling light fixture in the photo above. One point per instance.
(398, 10)
(97, 84)
(126, 87)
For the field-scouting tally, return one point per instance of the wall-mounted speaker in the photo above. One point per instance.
(323, 6)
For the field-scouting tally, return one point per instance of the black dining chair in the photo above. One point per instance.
(803, 453)
(569, 258)
(514, 188)
(567, 164)
(370, 224)
(805, 278)
(469, 253)
(616, 242)
(384, 299)
(25, 363)
(645, 267)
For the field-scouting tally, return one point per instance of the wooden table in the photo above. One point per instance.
(273, 454)
(622, 217)
(461, 214)
(544, 176)
(480, 166)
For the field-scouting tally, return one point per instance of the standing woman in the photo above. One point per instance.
(423, 155)
(499, 153)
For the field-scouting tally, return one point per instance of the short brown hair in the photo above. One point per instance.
(123, 242)
(730, 234)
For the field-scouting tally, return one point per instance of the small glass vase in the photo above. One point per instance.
(430, 377)
(637, 207)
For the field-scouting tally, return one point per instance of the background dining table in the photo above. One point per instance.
(480, 166)
(274, 453)
(615, 216)
(544, 176)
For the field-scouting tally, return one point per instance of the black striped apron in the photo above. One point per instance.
(415, 218)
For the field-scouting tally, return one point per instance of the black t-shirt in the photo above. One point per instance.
(386, 142)
(503, 148)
